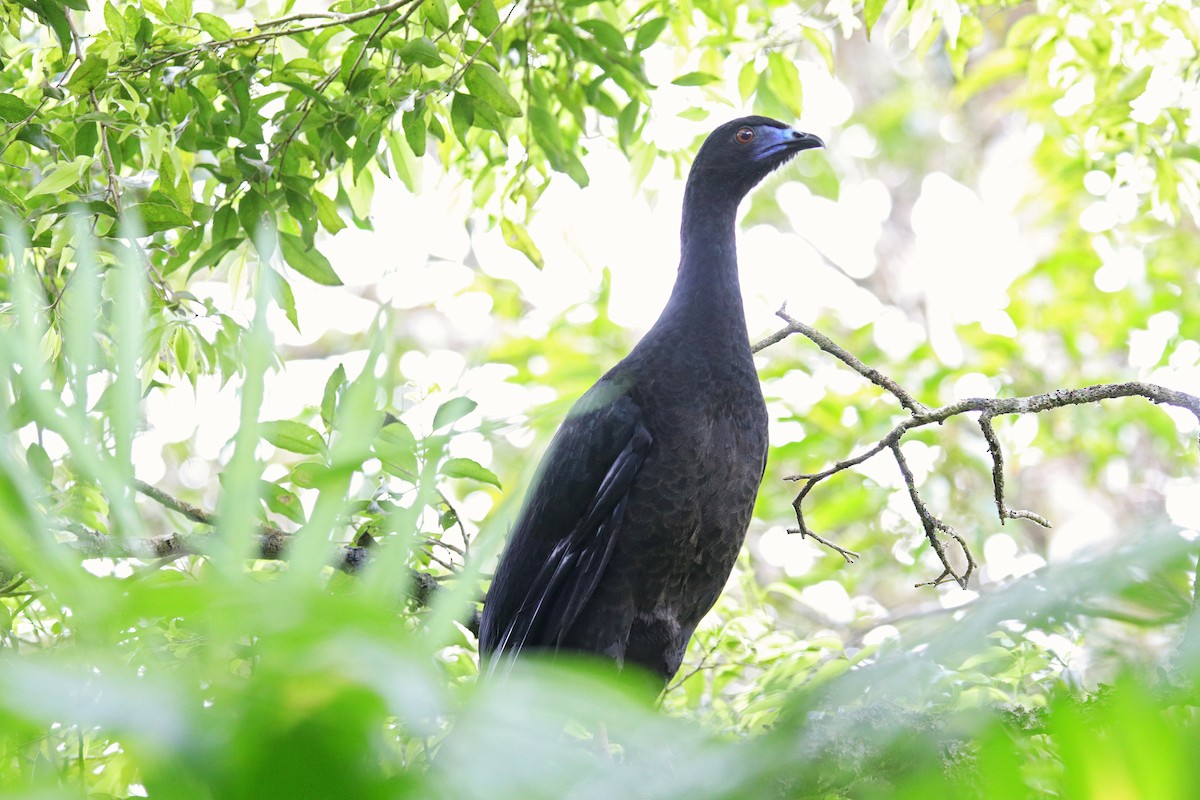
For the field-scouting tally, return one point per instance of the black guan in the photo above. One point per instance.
(641, 503)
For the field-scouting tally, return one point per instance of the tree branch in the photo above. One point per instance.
(329, 20)
(921, 416)
(829, 346)
(271, 545)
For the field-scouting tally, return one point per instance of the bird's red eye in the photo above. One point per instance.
(744, 135)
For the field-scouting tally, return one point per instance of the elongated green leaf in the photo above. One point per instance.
(871, 11)
(695, 79)
(784, 80)
(421, 51)
(333, 388)
(466, 468)
(7, 196)
(61, 177)
(282, 501)
(308, 261)
(487, 85)
(114, 21)
(604, 33)
(295, 437)
(648, 34)
(483, 15)
(39, 462)
(157, 217)
(436, 13)
(396, 448)
(88, 75)
(327, 212)
(214, 26)
(13, 108)
(452, 411)
(516, 237)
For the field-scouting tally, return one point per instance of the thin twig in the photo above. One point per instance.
(933, 526)
(997, 454)
(829, 346)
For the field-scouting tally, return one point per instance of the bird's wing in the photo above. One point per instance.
(569, 525)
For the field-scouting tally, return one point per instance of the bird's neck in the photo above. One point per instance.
(707, 289)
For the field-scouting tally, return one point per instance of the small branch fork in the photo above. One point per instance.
(921, 415)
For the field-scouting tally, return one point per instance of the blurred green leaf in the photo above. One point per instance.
(467, 468)
(295, 437)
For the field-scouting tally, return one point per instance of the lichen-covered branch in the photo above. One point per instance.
(272, 544)
(921, 415)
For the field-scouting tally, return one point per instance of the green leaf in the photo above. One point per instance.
(466, 468)
(55, 16)
(516, 237)
(282, 501)
(415, 131)
(281, 291)
(871, 11)
(333, 387)
(452, 411)
(307, 260)
(547, 133)
(13, 108)
(421, 51)
(784, 80)
(88, 75)
(605, 34)
(483, 15)
(157, 217)
(436, 13)
(487, 85)
(258, 220)
(407, 165)
(295, 437)
(695, 79)
(626, 122)
(214, 26)
(184, 350)
(114, 22)
(648, 34)
(62, 176)
(821, 42)
(747, 80)
(327, 212)
(39, 461)
(396, 449)
(7, 196)
(308, 474)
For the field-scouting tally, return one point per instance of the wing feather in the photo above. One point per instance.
(567, 530)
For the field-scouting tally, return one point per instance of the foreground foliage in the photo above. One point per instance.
(152, 150)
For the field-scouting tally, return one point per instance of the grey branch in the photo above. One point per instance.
(921, 415)
(849, 359)
(272, 545)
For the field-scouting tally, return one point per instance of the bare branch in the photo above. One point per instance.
(829, 346)
(932, 526)
(993, 443)
(272, 544)
(921, 416)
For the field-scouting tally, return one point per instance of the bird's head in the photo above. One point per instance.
(740, 153)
